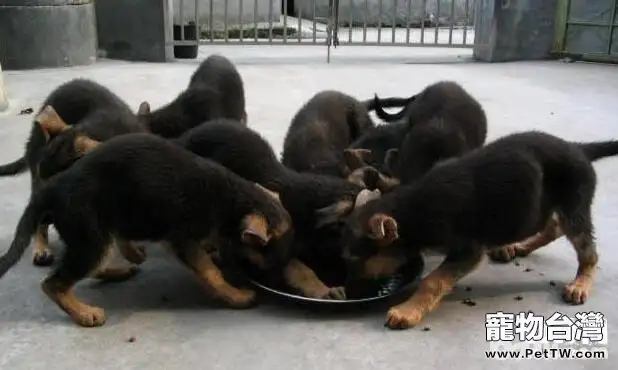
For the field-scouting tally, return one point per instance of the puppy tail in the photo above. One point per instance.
(600, 149)
(13, 168)
(378, 106)
(26, 228)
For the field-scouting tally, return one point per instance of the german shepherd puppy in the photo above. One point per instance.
(327, 124)
(215, 91)
(444, 121)
(496, 195)
(75, 108)
(142, 187)
(246, 153)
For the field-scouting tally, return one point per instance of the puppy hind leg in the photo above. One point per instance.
(85, 251)
(580, 232)
(43, 256)
(507, 253)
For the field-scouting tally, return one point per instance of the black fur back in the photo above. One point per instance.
(214, 91)
(246, 153)
(326, 125)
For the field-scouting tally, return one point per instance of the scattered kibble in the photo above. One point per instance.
(527, 269)
(426, 328)
(468, 289)
(516, 263)
(131, 339)
(552, 283)
(468, 302)
(519, 298)
(26, 111)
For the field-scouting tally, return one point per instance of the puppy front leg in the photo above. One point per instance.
(303, 279)
(211, 278)
(433, 288)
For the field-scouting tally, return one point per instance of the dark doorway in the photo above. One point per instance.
(290, 11)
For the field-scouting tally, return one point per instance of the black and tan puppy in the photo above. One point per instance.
(78, 107)
(215, 91)
(142, 187)
(327, 124)
(494, 196)
(246, 153)
(444, 121)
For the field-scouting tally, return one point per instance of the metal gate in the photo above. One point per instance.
(587, 29)
(433, 23)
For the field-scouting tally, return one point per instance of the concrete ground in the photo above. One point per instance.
(163, 308)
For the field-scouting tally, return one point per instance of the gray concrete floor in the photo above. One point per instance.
(184, 331)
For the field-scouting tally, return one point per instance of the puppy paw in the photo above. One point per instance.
(575, 293)
(88, 316)
(403, 317)
(335, 293)
(242, 298)
(43, 258)
(503, 254)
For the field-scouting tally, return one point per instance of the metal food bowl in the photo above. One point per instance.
(406, 278)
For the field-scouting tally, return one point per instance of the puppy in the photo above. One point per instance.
(496, 195)
(215, 91)
(246, 153)
(327, 124)
(77, 108)
(142, 187)
(444, 121)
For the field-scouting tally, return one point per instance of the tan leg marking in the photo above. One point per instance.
(211, 278)
(130, 251)
(577, 291)
(61, 292)
(43, 256)
(522, 249)
(433, 288)
(300, 277)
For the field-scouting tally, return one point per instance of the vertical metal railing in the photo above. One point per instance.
(229, 22)
(437, 29)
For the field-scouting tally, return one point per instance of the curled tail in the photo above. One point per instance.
(375, 102)
(27, 226)
(378, 106)
(13, 168)
(599, 149)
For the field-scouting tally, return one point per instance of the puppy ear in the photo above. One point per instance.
(254, 230)
(269, 192)
(83, 144)
(356, 158)
(50, 121)
(383, 228)
(333, 213)
(386, 184)
(390, 159)
(144, 108)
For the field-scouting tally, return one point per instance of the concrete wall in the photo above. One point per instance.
(507, 30)
(134, 30)
(264, 12)
(47, 33)
(393, 11)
